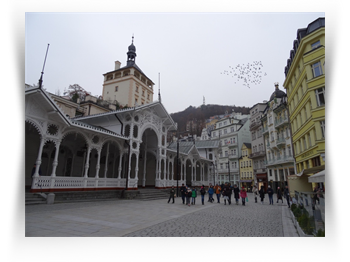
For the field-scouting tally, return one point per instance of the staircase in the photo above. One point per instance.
(152, 194)
(34, 199)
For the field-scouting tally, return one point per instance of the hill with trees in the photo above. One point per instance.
(197, 116)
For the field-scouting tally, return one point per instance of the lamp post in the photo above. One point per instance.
(177, 165)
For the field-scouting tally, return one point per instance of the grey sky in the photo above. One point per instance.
(189, 50)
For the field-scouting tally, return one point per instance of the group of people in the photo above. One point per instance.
(270, 192)
(225, 191)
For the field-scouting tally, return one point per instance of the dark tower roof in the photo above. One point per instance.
(131, 53)
(277, 93)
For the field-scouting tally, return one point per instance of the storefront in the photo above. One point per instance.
(262, 180)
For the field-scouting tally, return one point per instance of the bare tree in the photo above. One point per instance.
(76, 91)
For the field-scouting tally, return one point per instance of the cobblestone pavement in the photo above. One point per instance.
(252, 220)
(135, 218)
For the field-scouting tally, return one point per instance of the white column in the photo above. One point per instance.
(87, 161)
(144, 169)
(55, 161)
(106, 163)
(120, 165)
(98, 162)
(38, 160)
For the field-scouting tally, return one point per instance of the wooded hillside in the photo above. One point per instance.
(198, 115)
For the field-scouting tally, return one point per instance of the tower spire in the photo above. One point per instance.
(131, 53)
(159, 98)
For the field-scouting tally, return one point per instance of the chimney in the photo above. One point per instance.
(117, 65)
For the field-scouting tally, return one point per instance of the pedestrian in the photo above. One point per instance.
(255, 193)
(194, 195)
(172, 194)
(217, 189)
(286, 195)
(188, 196)
(209, 200)
(183, 193)
(317, 191)
(270, 193)
(224, 194)
(211, 192)
(202, 191)
(279, 194)
(243, 195)
(236, 192)
(262, 194)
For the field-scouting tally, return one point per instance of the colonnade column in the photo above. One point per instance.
(98, 162)
(55, 161)
(38, 160)
(87, 162)
(120, 165)
(106, 162)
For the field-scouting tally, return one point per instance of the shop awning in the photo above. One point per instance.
(318, 177)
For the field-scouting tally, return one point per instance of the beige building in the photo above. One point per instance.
(128, 85)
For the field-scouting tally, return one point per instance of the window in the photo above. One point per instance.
(289, 151)
(320, 96)
(137, 89)
(323, 128)
(315, 45)
(317, 69)
(116, 89)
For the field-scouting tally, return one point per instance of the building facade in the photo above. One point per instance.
(128, 85)
(232, 131)
(246, 167)
(277, 135)
(258, 154)
(305, 87)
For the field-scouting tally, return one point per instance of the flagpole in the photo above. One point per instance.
(42, 72)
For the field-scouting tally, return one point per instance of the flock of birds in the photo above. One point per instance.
(249, 74)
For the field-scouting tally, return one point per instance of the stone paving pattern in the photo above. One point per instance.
(252, 220)
(135, 218)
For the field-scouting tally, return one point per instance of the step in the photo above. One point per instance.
(34, 199)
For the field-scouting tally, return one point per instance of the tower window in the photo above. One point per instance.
(116, 89)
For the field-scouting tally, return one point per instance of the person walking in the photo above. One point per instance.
(183, 193)
(217, 189)
(202, 191)
(211, 192)
(270, 193)
(194, 195)
(262, 194)
(188, 196)
(279, 194)
(243, 195)
(172, 194)
(209, 199)
(286, 195)
(224, 194)
(255, 193)
(236, 192)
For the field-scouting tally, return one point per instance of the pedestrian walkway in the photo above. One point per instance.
(117, 218)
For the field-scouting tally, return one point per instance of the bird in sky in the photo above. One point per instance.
(251, 73)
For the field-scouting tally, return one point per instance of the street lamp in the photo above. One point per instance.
(229, 176)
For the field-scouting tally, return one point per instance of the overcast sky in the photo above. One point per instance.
(189, 50)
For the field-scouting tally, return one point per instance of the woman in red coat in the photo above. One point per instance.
(243, 195)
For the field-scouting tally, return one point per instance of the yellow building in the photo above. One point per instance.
(246, 173)
(127, 85)
(305, 87)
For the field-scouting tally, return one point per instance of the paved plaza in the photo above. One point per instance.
(157, 218)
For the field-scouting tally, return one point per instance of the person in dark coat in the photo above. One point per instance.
(262, 194)
(183, 193)
(270, 193)
(236, 193)
(279, 195)
(188, 196)
(202, 191)
(286, 195)
(172, 194)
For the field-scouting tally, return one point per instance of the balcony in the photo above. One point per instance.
(231, 144)
(257, 154)
(265, 130)
(255, 125)
(280, 142)
(281, 122)
(232, 156)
